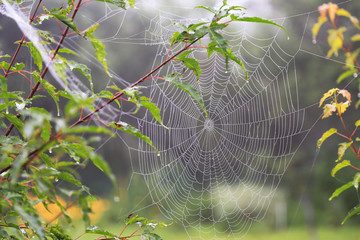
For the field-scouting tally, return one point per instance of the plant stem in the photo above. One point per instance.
(117, 95)
(35, 88)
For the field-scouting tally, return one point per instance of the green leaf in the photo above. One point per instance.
(346, 74)
(154, 110)
(88, 129)
(96, 230)
(66, 20)
(119, 3)
(46, 130)
(355, 210)
(186, 87)
(342, 149)
(83, 69)
(193, 65)
(123, 126)
(35, 55)
(325, 135)
(207, 9)
(98, 46)
(150, 236)
(340, 190)
(14, 120)
(4, 92)
(257, 20)
(101, 164)
(49, 88)
(339, 166)
(11, 140)
(356, 181)
(32, 219)
(69, 178)
(131, 3)
(230, 54)
(217, 38)
(68, 51)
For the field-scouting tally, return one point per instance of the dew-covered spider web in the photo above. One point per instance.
(215, 175)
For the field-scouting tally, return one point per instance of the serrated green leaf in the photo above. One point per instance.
(188, 88)
(83, 69)
(101, 164)
(69, 178)
(207, 9)
(35, 53)
(96, 230)
(339, 166)
(154, 110)
(193, 65)
(340, 190)
(68, 51)
(230, 54)
(150, 236)
(342, 149)
(346, 74)
(49, 88)
(66, 20)
(46, 130)
(11, 140)
(326, 135)
(354, 211)
(32, 219)
(119, 3)
(123, 126)
(217, 38)
(99, 47)
(257, 20)
(14, 120)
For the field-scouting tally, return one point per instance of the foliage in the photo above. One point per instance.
(47, 149)
(330, 13)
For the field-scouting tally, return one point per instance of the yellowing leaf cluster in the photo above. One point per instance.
(334, 105)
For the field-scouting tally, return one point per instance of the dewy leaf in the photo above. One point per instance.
(174, 79)
(342, 149)
(97, 230)
(356, 181)
(326, 135)
(257, 20)
(66, 20)
(123, 126)
(217, 38)
(339, 166)
(35, 55)
(154, 110)
(49, 88)
(355, 210)
(230, 54)
(83, 69)
(98, 46)
(193, 65)
(346, 74)
(14, 120)
(340, 190)
(119, 3)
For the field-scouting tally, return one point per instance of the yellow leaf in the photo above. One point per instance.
(328, 110)
(355, 22)
(325, 136)
(317, 26)
(343, 12)
(342, 106)
(335, 40)
(357, 123)
(339, 166)
(327, 95)
(332, 11)
(355, 38)
(342, 149)
(346, 95)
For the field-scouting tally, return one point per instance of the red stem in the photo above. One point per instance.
(34, 90)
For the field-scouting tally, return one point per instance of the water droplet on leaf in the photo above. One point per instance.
(158, 154)
(314, 41)
(355, 75)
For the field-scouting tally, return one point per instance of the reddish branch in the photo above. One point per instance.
(35, 88)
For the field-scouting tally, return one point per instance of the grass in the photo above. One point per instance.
(255, 233)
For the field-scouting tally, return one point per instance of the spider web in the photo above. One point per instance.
(215, 175)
